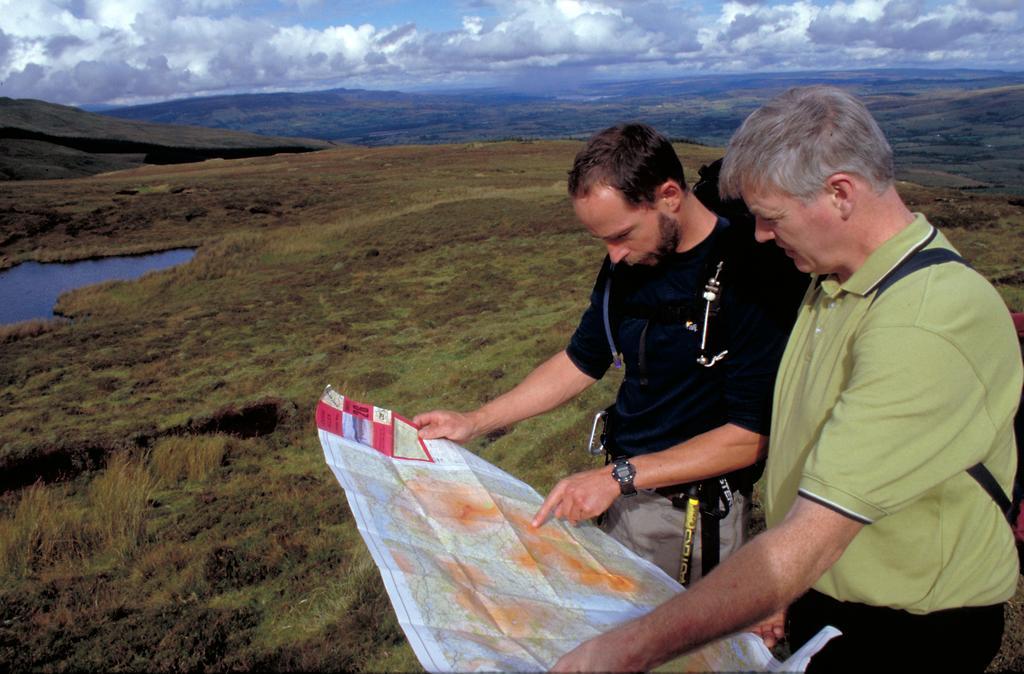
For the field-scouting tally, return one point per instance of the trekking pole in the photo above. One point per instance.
(690, 532)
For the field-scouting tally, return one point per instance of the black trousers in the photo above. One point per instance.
(880, 638)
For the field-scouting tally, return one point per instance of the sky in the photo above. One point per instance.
(94, 52)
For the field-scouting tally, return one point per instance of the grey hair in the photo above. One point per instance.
(795, 141)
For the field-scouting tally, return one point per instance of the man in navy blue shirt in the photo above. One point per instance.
(699, 313)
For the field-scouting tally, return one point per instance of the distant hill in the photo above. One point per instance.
(959, 128)
(361, 117)
(41, 140)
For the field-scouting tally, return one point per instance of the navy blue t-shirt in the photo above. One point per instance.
(673, 398)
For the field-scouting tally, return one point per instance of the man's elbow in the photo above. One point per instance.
(761, 446)
(753, 444)
(820, 534)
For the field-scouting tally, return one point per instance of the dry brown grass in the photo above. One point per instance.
(30, 328)
(118, 499)
(47, 528)
(42, 532)
(191, 457)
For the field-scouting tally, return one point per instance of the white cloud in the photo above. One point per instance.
(85, 51)
(864, 33)
(911, 30)
(771, 37)
(472, 25)
(996, 5)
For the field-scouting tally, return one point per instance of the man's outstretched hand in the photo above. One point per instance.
(580, 497)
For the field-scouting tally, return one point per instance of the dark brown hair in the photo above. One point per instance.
(632, 158)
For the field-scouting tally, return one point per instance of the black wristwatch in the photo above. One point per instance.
(624, 472)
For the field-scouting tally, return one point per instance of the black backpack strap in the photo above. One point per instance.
(920, 259)
(710, 542)
(988, 482)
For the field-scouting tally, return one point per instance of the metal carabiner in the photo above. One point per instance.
(600, 417)
(712, 293)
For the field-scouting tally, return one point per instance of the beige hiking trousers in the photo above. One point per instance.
(651, 527)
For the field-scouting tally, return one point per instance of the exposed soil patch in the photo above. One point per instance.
(249, 421)
(66, 461)
(1016, 278)
(60, 462)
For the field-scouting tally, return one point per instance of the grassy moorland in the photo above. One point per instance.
(186, 519)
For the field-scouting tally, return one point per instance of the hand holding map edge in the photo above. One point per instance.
(455, 426)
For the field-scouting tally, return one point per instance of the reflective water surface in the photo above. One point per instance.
(29, 290)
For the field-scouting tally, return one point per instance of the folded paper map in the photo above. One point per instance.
(474, 585)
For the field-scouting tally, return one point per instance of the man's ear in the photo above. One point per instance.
(670, 195)
(843, 190)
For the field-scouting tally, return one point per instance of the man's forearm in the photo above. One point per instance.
(716, 452)
(705, 613)
(719, 451)
(550, 384)
(763, 576)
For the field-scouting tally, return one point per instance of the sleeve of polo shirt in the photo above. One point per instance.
(588, 348)
(758, 328)
(912, 415)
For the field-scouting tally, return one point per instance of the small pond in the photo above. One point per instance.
(29, 290)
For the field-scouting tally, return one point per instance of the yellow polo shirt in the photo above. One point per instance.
(879, 409)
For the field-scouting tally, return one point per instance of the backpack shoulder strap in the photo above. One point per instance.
(916, 261)
(921, 259)
(988, 482)
(606, 316)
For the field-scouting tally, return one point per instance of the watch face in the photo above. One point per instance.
(623, 470)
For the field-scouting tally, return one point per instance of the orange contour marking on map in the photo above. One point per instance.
(612, 581)
(405, 564)
(546, 540)
(466, 574)
(515, 620)
(512, 618)
(469, 600)
(503, 646)
(526, 561)
(545, 548)
(471, 507)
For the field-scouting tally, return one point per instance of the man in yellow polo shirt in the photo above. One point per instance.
(881, 404)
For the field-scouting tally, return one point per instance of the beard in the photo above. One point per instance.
(668, 241)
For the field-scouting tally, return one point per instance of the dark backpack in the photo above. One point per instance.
(706, 191)
(1010, 505)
